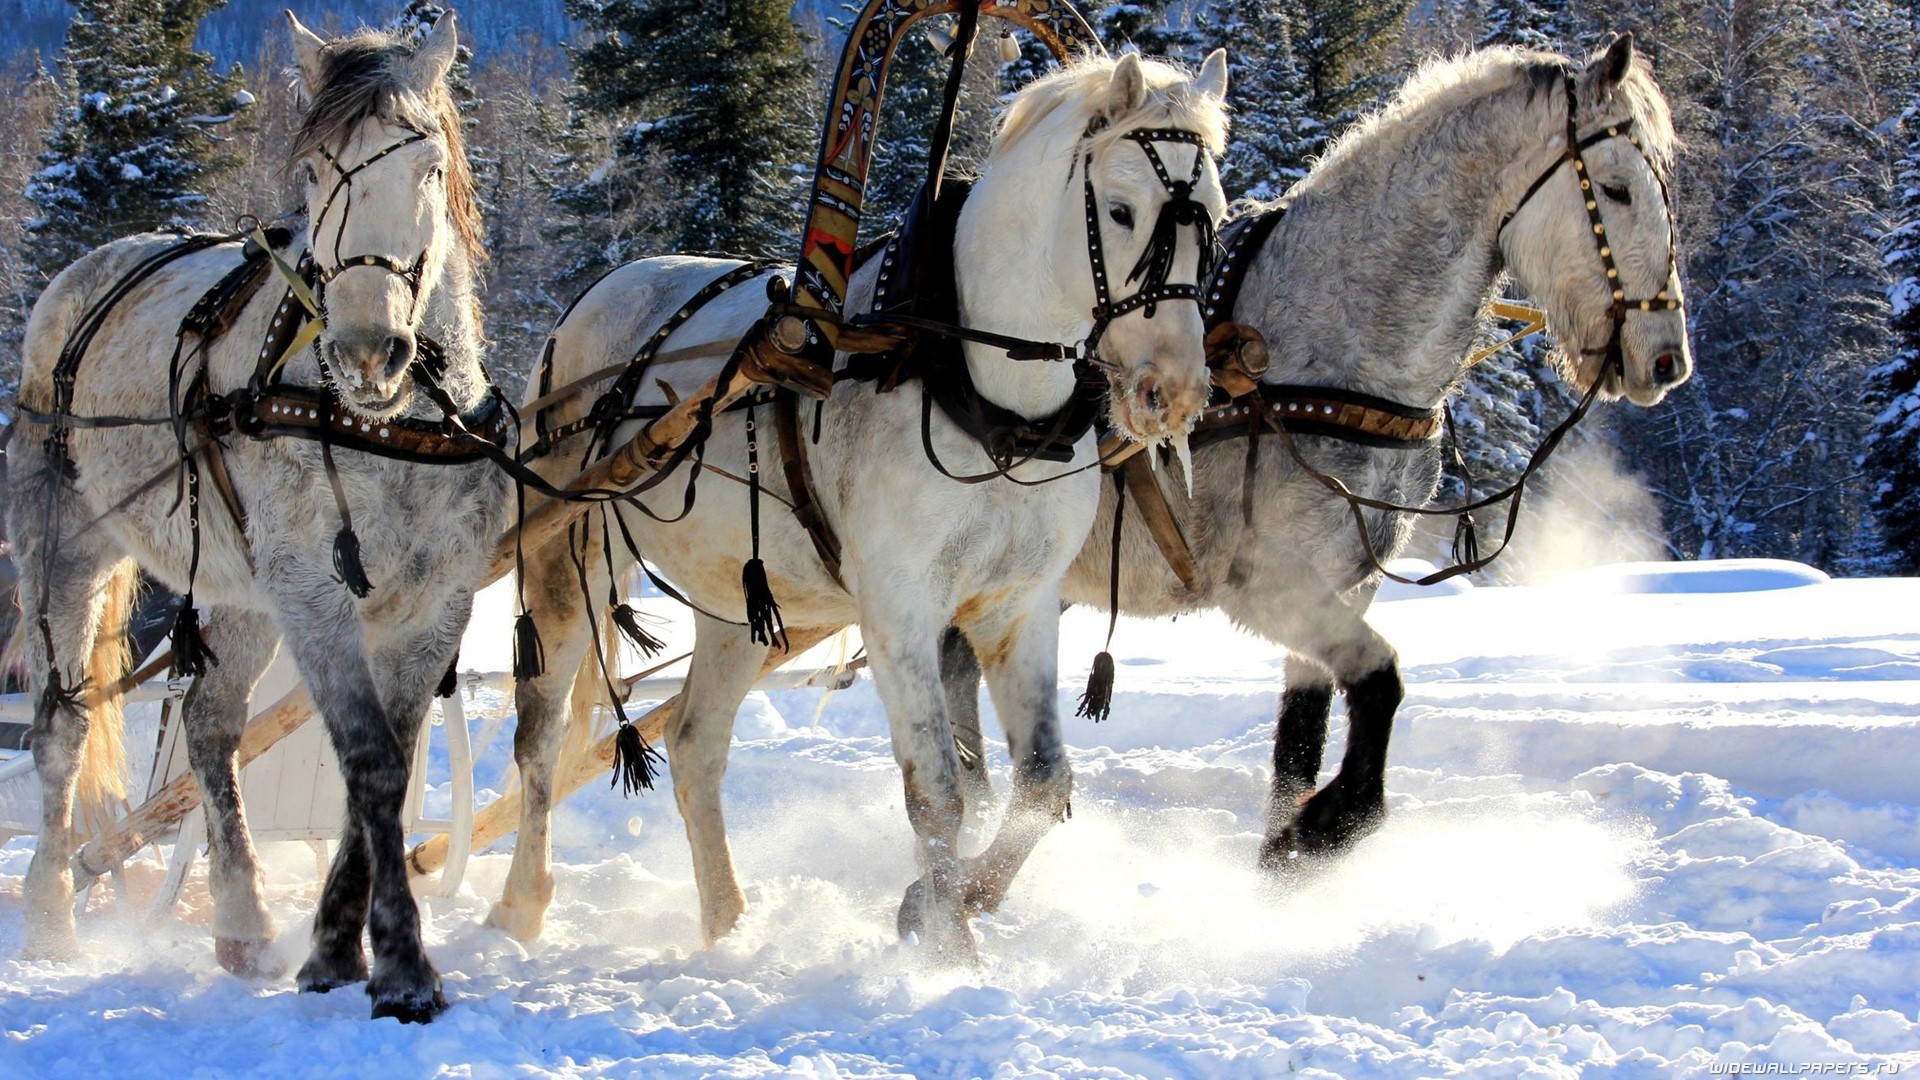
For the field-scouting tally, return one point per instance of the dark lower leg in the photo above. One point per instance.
(960, 678)
(337, 957)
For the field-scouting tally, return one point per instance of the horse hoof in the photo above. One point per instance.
(249, 959)
(519, 923)
(318, 977)
(419, 1007)
(912, 917)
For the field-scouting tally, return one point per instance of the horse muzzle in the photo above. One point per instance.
(1154, 405)
(369, 368)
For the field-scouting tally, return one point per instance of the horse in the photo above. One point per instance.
(1373, 284)
(348, 539)
(1080, 176)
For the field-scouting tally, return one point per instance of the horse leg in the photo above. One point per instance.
(906, 671)
(1333, 633)
(373, 741)
(215, 712)
(960, 677)
(76, 576)
(726, 661)
(337, 957)
(1299, 739)
(540, 731)
(1020, 653)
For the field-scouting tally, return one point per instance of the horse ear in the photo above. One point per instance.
(1126, 89)
(436, 54)
(1213, 76)
(1611, 64)
(306, 50)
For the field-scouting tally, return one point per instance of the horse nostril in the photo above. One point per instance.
(399, 355)
(1665, 367)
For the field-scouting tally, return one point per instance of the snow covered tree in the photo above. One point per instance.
(720, 103)
(1150, 26)
(1892, 459)
(1546, 25)
(139, 139)
(1346, 49)
(1275, 132)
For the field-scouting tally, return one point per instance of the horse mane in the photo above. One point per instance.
(365, 76)
(1452, 83)
(1171, 101)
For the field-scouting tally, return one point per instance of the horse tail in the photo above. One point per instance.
(102, 777)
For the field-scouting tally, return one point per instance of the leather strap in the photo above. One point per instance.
(1320, 410)
(1151, 501)
(800, 490)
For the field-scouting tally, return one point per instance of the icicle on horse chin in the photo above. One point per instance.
(286, 427)
(1087, 166)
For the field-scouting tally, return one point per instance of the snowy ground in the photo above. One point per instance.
(1641, 825)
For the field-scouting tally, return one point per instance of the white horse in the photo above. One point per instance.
(1375, 281)
(393, 250)
(920, 551)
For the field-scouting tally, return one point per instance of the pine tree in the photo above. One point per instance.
(1346, 50)
(721, 103)
(1275, 133)
(916, 88)
(1146, 25)
(1546, 25)
(137, 144)
(1892, 459)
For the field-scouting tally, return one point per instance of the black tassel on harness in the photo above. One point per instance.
(1466, 541)
(1097, 702)
(191, 656)
(633, 760)
(628, 621)
(763, 615)
(347, 568)
(529, 656)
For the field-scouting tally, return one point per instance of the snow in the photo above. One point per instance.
(1648, 820)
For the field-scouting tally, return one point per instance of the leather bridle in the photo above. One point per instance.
(343, 183)
(1182, 209)
(1620, 303)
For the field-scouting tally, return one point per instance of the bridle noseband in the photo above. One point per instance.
(1620, 304)
(1156, 262)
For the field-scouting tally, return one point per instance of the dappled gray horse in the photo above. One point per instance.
(1374, 283)
(359, 538)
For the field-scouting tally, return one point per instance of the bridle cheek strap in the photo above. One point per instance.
(1619, 303)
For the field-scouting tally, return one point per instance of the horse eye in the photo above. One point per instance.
(312, 176)
(1617, 193)
(1121, 215)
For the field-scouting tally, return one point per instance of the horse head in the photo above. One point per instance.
(1113, 163)
(1593, 237)
(389, 200)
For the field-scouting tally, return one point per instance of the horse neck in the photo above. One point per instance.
(452, 319)
(1003, 264)
(1376, 277)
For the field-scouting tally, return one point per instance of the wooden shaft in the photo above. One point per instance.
(133, 832)
(645, 452)
(502, 816)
